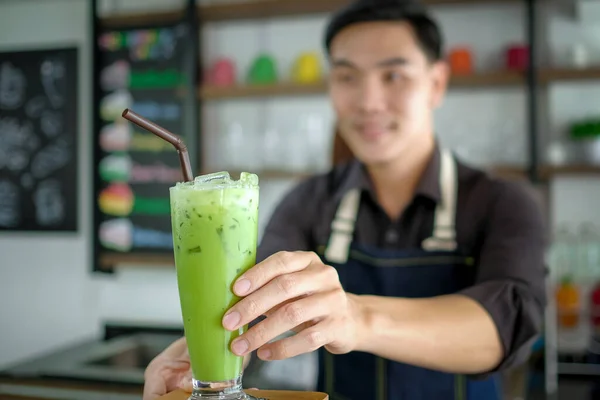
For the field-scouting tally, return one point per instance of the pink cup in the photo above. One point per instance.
(222, 73)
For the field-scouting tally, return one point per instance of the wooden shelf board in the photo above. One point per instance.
(208, 92)
(507, 171)
(277, 89)
(482, 80)
(547, 172)
(549, 75)
(123, 20)
(251, 9)
(486, 79)
(112, 260)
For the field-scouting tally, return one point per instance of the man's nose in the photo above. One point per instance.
(371, 97)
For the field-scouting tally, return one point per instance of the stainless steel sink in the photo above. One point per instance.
(119, 360)
(123, 359)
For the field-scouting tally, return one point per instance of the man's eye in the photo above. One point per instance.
(344, 78)
(392, 76)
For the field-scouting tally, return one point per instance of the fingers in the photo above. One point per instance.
(278, 264)
(165, 372)
(278, 291)
(306, 341)
(154, 388)
(186, 383)
(283, 320)
(163, 376)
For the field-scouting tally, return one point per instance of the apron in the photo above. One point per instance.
(437, 268)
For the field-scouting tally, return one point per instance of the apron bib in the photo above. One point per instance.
(437, 268)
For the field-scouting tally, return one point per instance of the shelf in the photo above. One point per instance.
(124, 20)
(487, 79)
(111, 260)
(548, 172)
(252, 9)
(278, 89)
(507, 171)
(249, 9)
(549, 75)
(208, 92)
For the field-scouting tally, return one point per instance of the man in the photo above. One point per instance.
(413, 275)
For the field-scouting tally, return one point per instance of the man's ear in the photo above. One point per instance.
(440, 78)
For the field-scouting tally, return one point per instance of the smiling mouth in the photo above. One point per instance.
(373, 132)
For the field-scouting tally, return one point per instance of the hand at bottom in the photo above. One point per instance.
(168, 371)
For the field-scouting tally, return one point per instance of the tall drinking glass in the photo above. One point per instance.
(215, 233)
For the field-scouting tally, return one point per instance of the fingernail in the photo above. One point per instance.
(184, 383)
(242, 287)
(265, 354)
(239, 347)
(231, 320)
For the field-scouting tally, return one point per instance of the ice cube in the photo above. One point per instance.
(248, 179)
(216, 178)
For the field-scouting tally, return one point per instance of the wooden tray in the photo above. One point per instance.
(265, 394)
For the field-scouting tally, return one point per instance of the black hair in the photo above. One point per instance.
(426, 29)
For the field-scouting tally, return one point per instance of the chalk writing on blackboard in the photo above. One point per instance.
(9, 204)
(35, 107)
(12, 86)
(53, 75)
(49, 159)
(48, 199)
(17, 142)
(38, 140)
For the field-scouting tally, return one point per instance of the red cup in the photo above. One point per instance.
(222, 73)
(517, 57)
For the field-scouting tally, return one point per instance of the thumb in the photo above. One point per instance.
(186, 381)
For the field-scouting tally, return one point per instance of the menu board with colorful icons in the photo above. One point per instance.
(140, 69)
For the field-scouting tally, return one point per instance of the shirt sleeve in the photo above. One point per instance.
(290, 225)
(510, 282)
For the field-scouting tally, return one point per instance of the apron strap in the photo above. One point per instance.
(444, 232)
(342, 228)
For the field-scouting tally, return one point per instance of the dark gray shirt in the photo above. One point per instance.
(498, 223)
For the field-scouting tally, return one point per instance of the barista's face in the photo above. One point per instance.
(384, 90)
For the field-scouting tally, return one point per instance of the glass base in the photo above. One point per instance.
(225, 390)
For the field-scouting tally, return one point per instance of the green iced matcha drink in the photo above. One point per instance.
(215, 232)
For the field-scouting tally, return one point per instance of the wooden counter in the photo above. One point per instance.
(265, 394)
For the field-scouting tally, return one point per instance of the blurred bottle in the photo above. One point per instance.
(564, 263)
(588, 252)
(273, 149)
(312, 129)
(568, 303)
(234, 149)
(580, 56)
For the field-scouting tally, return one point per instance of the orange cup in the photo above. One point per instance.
(461, 61)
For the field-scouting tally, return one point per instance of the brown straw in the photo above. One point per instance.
(164, 134)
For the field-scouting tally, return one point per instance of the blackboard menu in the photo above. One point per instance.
(140, 69)
(38, 140)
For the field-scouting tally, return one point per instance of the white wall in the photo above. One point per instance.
(47, 295)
